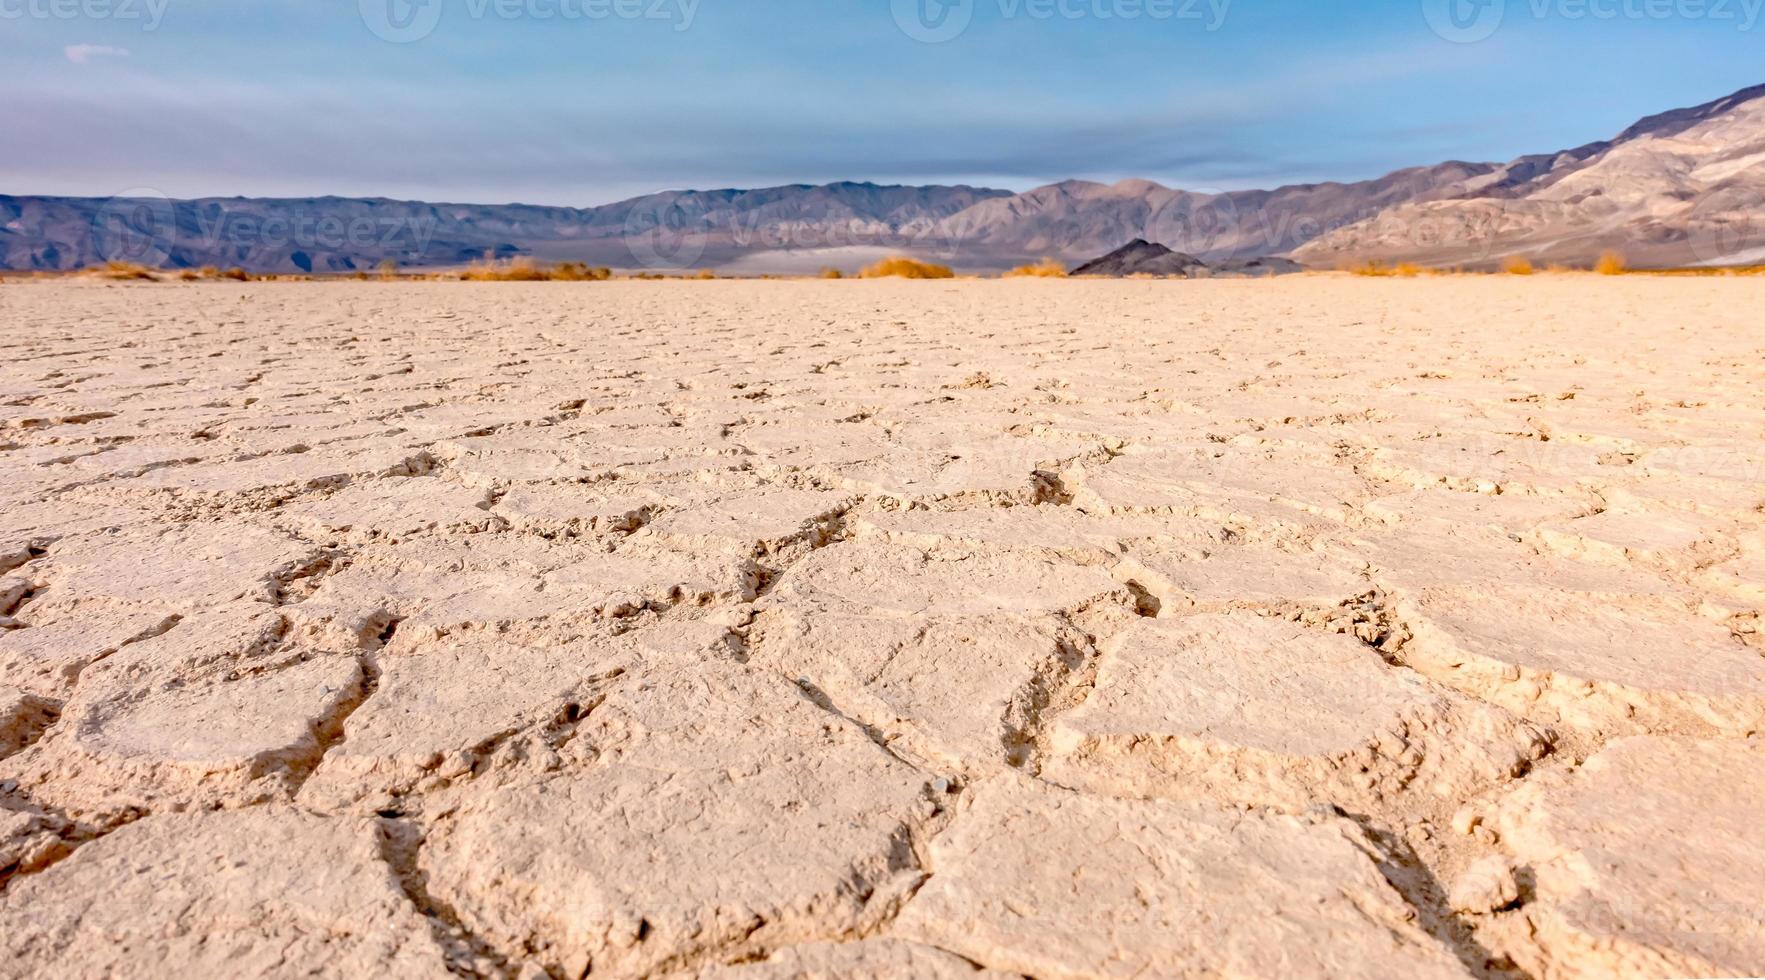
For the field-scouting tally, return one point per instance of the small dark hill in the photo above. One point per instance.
(1143, 258)
(1266, 265)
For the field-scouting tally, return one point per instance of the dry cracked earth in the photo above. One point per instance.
(1312, 628)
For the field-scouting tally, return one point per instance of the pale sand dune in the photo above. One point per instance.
(790, 629)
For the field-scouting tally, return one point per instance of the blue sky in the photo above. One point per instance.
(585, 101)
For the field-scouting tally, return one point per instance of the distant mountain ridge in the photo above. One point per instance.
(330, 235)
(1076, 220)
(976, 227)
(1681, 187)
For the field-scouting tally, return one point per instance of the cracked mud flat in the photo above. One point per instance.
(1309, 628)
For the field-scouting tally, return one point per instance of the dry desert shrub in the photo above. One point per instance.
(706, 274)
(1714, 270)
(831, 273)
(1517, 266)
(901, 267)
(1379, 270)
(580, 272)
(524, 269)
(124, 271)
(1045, 269)
(1611, 263)
(388, 270)
(515, 270)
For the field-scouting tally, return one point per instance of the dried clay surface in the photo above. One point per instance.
(1311, 628)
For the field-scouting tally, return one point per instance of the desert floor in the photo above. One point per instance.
(1322, 627)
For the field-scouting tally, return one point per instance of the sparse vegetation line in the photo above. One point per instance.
(901, 267)
(1045, 269)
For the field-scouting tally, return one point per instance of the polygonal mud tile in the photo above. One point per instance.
(444, 705)
(211, 742)
(723, 814)
(1632, 664)
(1051, 883)
(872, 577)
(1048, 531)
(574, 509)
(1647, 861)
(764, 522)
(1244, 576)
(393, 509)
(964, 692)
(48, 659)
(173, 568)
(1296, 489)
(260, 892)
(1245, 708)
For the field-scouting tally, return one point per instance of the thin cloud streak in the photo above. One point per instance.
(81, 54)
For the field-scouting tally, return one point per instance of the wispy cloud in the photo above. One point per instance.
(81, 54)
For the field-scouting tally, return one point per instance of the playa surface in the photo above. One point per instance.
(1321, 627)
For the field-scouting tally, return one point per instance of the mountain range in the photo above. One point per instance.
(1685, 187)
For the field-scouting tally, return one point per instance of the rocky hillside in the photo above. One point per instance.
(1682, 188)
(1077, 220)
